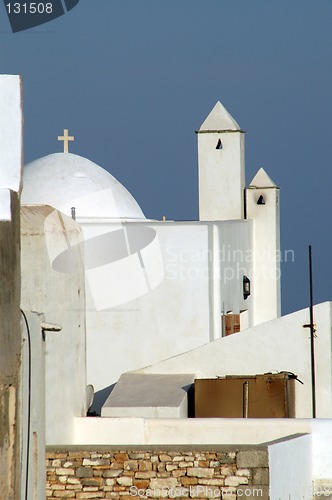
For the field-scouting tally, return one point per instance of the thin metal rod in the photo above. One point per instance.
(312, 339)
(245, 399)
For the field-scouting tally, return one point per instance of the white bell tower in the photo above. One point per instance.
(221, 167)
(264, 208)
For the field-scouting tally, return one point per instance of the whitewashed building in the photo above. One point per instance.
(156, 289)
(110, 297)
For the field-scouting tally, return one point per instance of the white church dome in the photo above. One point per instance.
(65, 180)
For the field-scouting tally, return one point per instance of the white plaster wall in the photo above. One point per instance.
(60, 296)
(175, 431)
(33, 437)
(11, 159)
(323, 356)
(221, 176)
(5, 204)
(103, 431)
(162, 321)
(279, 345)
(174, 301)
(265, 272)
(290, 464)
(222, 430)
(11, 132)
(322, 452)
(235, 251)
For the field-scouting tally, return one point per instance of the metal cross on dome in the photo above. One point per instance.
(65, 138)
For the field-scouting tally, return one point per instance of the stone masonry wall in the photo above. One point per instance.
(126, 475)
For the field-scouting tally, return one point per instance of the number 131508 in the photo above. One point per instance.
(29, 8)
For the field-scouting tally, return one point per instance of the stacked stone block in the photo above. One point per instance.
(126, 475)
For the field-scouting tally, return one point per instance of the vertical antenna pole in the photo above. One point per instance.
(312, 338)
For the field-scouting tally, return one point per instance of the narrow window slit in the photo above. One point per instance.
(219, 144)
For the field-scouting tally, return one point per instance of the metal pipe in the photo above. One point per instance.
(312, 338)
(246, 399)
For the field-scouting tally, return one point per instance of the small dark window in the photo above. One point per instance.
(219, 144)
(261, 200)
(246, 287)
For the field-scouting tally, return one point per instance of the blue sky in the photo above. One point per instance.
(134, 79)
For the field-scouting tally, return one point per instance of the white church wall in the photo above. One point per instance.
(60, 296)
(11, 132)
(279, 345)
(163, 320)
(236, 261)
(171, 301)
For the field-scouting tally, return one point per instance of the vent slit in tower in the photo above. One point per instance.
(219, 144)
